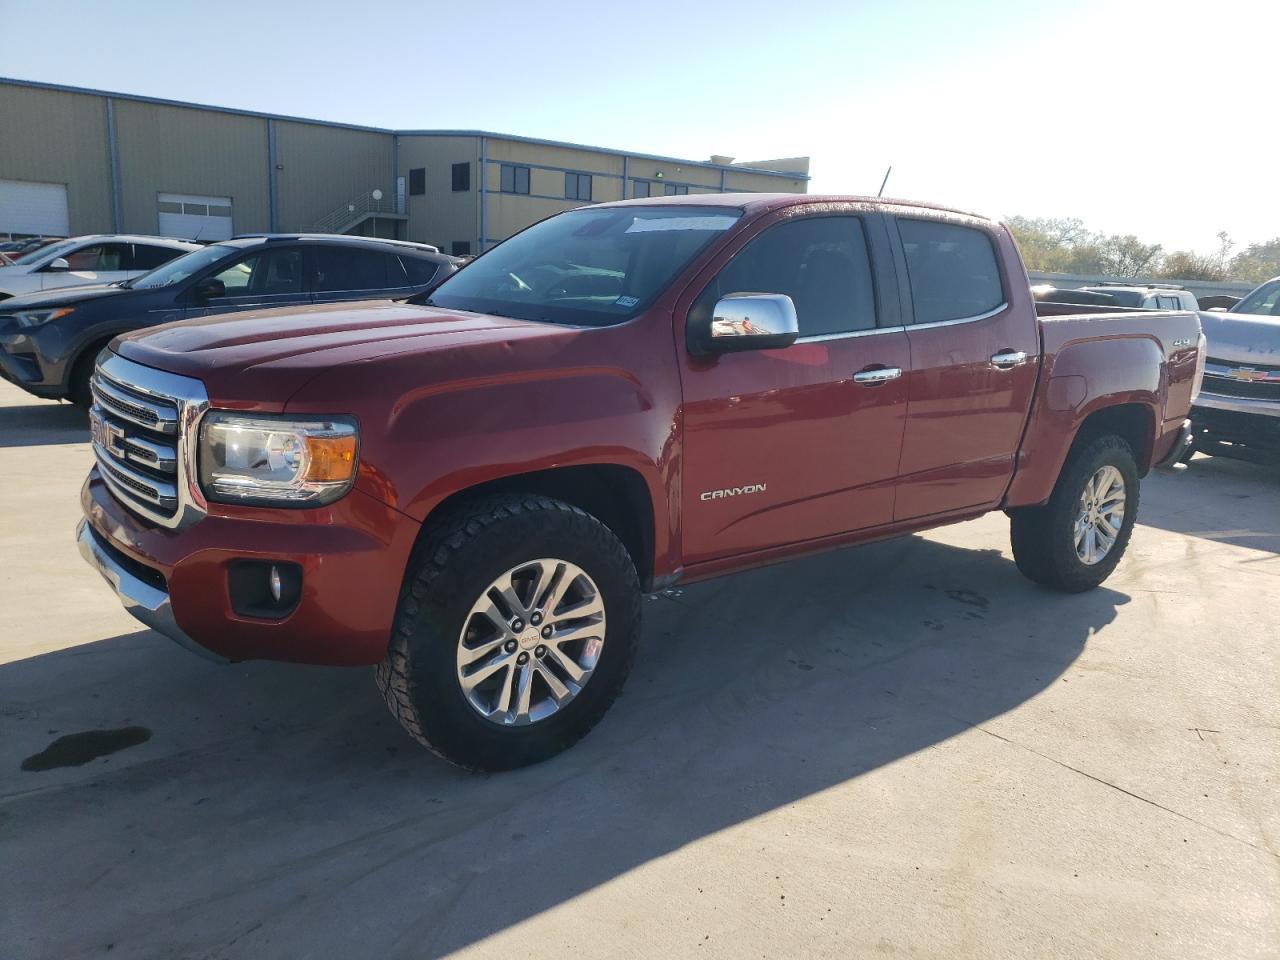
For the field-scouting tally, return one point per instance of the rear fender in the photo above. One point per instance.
(1111, 384)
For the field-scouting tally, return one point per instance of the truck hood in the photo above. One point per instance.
(1242, 338)
(258, 360)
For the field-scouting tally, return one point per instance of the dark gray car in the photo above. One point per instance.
(48, 341)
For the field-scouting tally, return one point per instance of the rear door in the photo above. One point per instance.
(791, 445)
(273, 275)
(975, 344)
(356, 273)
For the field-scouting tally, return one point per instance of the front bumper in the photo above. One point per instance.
(352, 555)
(145, 601)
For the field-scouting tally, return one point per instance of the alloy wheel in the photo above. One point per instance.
(1101, 515)
(531, 642)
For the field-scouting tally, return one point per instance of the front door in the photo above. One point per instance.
(784, 446)
(271, 276)
(975, 347)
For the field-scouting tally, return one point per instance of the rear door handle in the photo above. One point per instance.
(878, 375)
(1008, 359)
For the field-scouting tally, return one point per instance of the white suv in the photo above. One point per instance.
(83, 260)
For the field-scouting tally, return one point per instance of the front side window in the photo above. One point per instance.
(1265, 301)
(341, 268)
(821, 263)
(99, 256)
(269, 273)
(514, 179)
(952, 270)
(577, 186)
(590, 267)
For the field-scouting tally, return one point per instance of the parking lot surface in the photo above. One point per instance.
(899, 750)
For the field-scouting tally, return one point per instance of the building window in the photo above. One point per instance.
(515, 179)
(640, 188)
(577, 186)
(417, 181)
(461, 177)
(674, 190)
(461, 248)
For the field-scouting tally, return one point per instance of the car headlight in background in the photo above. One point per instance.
(38, 318)
(293, 462)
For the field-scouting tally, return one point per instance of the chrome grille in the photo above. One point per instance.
(1255, 382)
(143, 424)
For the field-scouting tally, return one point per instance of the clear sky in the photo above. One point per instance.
(1154, 117)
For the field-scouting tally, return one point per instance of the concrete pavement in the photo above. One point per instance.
(900, 750)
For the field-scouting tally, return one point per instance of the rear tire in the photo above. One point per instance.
(436, 646)
(1052, 543)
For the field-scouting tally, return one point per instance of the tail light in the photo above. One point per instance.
(1202, 349)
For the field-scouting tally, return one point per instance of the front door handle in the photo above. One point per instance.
(877, 375)
(1008, 359)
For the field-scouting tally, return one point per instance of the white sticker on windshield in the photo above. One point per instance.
(717, 222)
(627, 301)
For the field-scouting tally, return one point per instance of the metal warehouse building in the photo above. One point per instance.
(76, 161)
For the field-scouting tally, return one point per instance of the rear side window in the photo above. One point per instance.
(342, 269)
(146, 257)
(821, 263)
(420, 271)
(952, 270)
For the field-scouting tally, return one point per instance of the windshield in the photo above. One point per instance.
(185, 266)
(593, 267)
(1265, 300)
(52, 251)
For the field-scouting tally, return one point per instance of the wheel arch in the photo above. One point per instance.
(616, 495)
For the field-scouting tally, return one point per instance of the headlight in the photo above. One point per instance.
(38, 318)
(276, 460)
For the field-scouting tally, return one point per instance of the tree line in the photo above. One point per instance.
(1068, 246)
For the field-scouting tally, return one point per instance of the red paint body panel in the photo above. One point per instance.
(448, 400)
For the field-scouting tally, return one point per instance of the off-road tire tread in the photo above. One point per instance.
(1041, 552)
(436, 550)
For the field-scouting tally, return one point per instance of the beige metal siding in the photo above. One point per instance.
(51, 136)
(759, 183)
(166, 149)
(326, 168)
(441, 216)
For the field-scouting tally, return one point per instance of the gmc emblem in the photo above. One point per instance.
(106, 435)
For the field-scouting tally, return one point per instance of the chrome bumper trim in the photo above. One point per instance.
(145, 602)
(1216, 401)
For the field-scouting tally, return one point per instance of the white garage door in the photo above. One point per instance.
(195, 218)
(39, 208)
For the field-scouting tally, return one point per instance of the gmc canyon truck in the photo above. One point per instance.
(473, 491)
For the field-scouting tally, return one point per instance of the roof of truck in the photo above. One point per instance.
(754, 202)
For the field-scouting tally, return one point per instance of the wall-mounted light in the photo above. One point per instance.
(659, 175)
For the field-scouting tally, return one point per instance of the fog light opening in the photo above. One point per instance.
(264, 589)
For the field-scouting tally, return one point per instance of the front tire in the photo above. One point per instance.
(1075, 541)
(517, 625)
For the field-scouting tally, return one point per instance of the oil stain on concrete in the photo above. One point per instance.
(77, 749)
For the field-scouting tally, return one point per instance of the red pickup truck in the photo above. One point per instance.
(473, 491)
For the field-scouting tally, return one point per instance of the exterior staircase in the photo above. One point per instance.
(359, 211)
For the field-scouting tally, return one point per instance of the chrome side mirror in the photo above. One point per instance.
(751, 321)
(58, 265)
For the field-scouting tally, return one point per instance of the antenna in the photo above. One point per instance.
(885, 180)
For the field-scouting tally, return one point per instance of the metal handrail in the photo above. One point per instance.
(361, 206)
